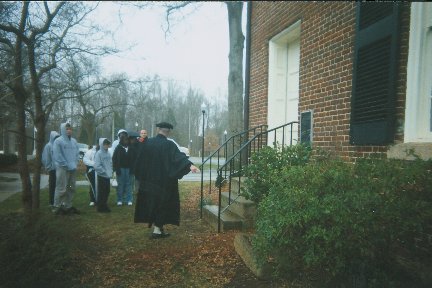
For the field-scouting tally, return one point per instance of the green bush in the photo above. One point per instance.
(268, 162)
(8, 159)
(346, 223)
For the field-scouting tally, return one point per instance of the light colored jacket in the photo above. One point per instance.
(66, 151)
(88, 158)
(103, 161)
(47, 154)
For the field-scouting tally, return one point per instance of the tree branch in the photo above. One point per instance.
(48, 21)
(171, 9)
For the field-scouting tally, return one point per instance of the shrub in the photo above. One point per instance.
(347, 223)
(8, 159)
(267, 162)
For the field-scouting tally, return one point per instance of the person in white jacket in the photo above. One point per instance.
(88, 160)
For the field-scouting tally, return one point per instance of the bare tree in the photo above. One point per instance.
(91, 92)
(35, 41)
(236, 40)
(235, 76)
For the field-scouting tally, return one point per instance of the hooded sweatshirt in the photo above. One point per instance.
(47, 154)
(103, 161)
(66, 151)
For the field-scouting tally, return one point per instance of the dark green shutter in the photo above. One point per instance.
(374, 73)
(306, 128)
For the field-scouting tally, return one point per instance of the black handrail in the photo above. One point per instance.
(239, 137)
(257, 142)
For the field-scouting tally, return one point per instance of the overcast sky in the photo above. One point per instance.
(195, 52)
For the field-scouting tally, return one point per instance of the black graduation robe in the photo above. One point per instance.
(159, 165)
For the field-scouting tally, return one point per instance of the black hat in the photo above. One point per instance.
(164, 125)
(106, 141)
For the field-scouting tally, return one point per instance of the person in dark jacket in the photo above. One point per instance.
(158, 167)
(122, 165)
(132, 154)
(143, 136)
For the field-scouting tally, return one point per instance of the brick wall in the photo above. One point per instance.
(326, 60)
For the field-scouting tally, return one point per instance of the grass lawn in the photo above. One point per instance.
(109, 250)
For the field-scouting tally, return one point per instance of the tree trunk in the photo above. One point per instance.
(88, 124)
(235, 76)
(22, 153)
(20, 98)
(40, 126)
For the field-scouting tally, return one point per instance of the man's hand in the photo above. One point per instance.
(194, 169)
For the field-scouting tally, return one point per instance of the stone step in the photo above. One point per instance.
(243, 247)
(229, 221)
(237, 183)
(239, 205)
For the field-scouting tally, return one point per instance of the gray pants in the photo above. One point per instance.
(65, 187)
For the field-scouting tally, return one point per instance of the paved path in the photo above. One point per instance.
(10, 183)
(193, 177)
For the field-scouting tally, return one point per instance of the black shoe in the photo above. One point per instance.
(159, 236)
(104, 210)
(59, 211)
(72, 210)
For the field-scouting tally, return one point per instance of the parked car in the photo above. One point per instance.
(83, 148)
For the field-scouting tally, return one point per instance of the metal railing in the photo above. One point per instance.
(282, 135)
(215, 160)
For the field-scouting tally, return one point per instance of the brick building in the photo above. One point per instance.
(361, 72)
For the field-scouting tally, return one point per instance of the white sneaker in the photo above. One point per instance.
(129, 203)
(91, 204)
(119, 203)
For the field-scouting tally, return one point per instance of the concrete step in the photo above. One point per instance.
(239, 205)
(243, 247)
(229, 221)
(237, 183)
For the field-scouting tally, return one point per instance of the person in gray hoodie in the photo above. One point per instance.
(49, 165)
(104, 171)
(66, 156)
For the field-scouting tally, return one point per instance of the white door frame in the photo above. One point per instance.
(418, 107)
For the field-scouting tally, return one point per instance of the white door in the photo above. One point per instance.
(283, 98)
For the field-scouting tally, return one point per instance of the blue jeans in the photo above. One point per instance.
(123, 189)
(132, 185)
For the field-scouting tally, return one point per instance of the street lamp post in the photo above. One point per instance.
(203, 111)
(34, 140)
(226, 145)
(136, 126)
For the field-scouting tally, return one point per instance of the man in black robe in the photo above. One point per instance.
(158, 167)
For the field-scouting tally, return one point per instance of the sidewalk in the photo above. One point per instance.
(10, 183)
